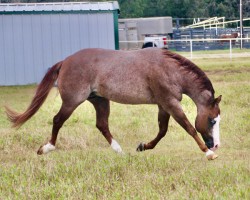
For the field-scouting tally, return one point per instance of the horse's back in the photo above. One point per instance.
(121, 76)
(124, 76)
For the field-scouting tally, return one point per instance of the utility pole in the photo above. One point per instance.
(241, 25)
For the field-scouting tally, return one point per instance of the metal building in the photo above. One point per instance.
(33, 37)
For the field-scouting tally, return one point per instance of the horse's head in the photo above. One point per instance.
(207, 123)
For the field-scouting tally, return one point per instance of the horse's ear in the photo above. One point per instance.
(217, 100)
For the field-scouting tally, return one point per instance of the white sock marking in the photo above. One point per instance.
(48, 147)
(116, 146)
(209, 152)
(216, 131)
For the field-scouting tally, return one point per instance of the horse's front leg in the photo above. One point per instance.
(102, 107)
(163, 119)
(177, 113)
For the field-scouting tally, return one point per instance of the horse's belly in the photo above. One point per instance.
(129, 99)
(127, 95)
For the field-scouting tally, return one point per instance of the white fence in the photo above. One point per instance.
(217, 47)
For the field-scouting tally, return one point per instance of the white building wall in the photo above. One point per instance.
(31, 43)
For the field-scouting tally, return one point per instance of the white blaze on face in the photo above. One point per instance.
(216, 133)
(116, 146)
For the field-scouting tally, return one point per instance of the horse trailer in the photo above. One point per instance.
(134, 31)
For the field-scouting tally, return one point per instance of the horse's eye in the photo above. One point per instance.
(213, 122)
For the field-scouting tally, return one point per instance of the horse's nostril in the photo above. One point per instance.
(216, 146)
(210, 144)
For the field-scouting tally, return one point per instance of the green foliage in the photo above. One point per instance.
(132, 8)
(182, 8)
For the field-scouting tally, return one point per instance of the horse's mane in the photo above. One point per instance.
(189, 67)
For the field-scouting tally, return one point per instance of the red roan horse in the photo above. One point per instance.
(231, 36)
(147, 76)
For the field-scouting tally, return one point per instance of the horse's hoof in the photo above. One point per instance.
(140, 147)
(212, 157)
(46, 149)
(40, 151)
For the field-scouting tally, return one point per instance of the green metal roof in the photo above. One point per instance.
(59, 7)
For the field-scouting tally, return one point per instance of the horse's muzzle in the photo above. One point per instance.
(209, 144)
(215, 147)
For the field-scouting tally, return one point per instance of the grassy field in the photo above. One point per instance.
(225, 53)
(85, 167)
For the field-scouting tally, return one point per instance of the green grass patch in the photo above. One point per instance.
(222, 51)
(239, 54)
(85, 167)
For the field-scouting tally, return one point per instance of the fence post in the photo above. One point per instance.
(230, 49)
(191, 48)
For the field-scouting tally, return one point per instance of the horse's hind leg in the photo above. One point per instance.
(58, 121)
(163, 119)
(102, 107)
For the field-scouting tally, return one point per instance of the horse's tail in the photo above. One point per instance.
(39, 98)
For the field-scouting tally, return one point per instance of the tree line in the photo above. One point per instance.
(184, 8)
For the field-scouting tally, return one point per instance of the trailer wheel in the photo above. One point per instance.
(149, 44)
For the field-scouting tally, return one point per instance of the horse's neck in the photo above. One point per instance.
(197, 86)
(200, 97)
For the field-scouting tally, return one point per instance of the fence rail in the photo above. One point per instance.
(193, 45)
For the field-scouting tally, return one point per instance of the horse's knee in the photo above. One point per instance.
(99, 127)
(163, 134)
(163, 130)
